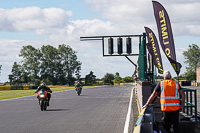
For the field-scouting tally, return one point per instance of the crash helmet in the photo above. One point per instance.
(43, 84)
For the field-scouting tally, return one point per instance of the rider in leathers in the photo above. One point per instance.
(45, 88)
(78, 85)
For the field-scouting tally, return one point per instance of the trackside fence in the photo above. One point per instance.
(190, 107)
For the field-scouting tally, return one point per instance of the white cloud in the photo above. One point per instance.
(32, 18)
(183, 14)
(124, 11)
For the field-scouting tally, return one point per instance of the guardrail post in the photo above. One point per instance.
(195, 95)
(187, 102)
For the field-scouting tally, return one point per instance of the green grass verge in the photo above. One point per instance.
(8, 94)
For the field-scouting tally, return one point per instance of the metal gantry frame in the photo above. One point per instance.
(102, 38)
(142, 60)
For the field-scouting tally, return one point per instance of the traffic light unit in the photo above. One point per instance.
(119, 46)
(128, 45)
(110, 45)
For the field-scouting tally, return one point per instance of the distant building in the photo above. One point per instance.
(198, 73)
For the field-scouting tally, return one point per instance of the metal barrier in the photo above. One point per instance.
(145, 121)
(194, 83)
(190, 107)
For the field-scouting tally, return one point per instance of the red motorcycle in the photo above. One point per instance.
(43, 99)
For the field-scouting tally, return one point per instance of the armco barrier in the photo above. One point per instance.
(145, 121)
(185, 83)
(194, 83)
(5, 87)
(17, 88)
(33, 87)
(26, 87)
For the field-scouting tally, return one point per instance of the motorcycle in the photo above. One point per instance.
(43, 99)
(78, 90)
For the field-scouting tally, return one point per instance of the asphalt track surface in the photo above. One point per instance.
(97, 110)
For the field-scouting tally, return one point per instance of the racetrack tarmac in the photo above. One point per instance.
(97, 110)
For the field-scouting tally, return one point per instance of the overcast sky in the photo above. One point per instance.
(55, 22)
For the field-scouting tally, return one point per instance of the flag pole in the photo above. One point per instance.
(178, 78)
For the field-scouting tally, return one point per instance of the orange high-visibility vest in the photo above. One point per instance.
(169, 97)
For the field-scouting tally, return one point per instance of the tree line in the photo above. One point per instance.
(192, 58)
(55, 66)
(58, 65)
(47, 64)
(116, 79)
(108, 78)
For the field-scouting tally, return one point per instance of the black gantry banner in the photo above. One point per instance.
(154, 49)
(165, 35)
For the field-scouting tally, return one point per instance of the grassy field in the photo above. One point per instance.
(8, 94)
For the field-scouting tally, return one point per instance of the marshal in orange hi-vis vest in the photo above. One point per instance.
(169, 97)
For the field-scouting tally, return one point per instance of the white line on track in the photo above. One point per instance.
(126, 126)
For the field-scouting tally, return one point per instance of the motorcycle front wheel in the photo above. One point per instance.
(79, 92)
(42, 104)
(45, 105)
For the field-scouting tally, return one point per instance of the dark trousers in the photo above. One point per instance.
(49, 96)
(171, 121)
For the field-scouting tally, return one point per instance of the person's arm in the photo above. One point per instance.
(153, 95)
(49, 90)
(37, 90)
(183, 100)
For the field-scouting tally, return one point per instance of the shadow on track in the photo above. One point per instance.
(83, 95)
(57, 109)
